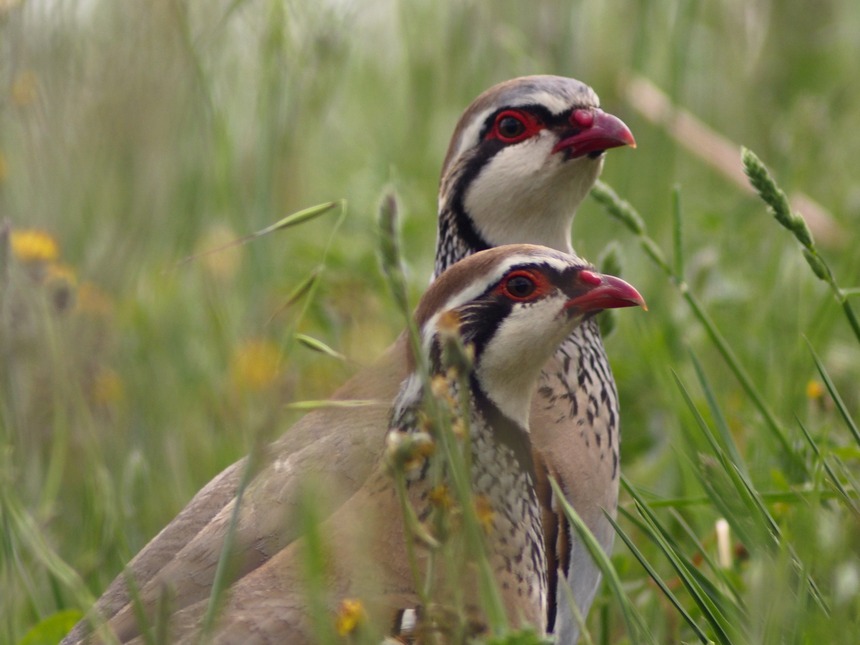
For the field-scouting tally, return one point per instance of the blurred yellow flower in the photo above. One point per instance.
(33, 245)
(350, 615)
(485, 511)
(255, 365)
(440, 497)
(814, 390)
(107, 387)
(61, 275)
(25, 88)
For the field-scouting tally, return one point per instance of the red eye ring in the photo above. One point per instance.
(523, 286)
(513, 126)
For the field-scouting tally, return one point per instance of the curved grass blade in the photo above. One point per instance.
(658, 580)
(718, 621)
(294, 219)
(318, 346)
(337, 403)
(834, 394)
(834, 480)
(752, 500)
(636, 628)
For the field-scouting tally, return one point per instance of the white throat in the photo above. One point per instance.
(527, 193)
(510, 364)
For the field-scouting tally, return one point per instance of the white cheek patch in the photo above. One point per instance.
(512, 359)
(510, 173)
(525, 193)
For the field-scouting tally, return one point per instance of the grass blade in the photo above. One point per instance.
(834, 394)
(336, 403)
(834, 480)
(636, 628)
(721, 625)
(658, 580)
(721, 423)
(294, 219)
(677, 234)
(317, 345)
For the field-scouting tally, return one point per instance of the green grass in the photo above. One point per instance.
(138, 134)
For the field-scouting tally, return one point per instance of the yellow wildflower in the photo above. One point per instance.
(61, 275)
(349, 616)
(814, 390)
(33, 245)
(459, 428)
(449, 323)
(440, 497)
(255, 365)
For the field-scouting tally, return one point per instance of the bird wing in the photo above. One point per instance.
(365, 559)
(336, 445)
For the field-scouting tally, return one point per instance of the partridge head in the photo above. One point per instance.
(522, 158)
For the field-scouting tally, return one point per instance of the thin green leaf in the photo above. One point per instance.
(318, 346)
(337, 404)
(728, 441)
(726, 605)
(834, 480)
(625, 213)
(145, 622)
(51, 630)
(752, 509)
(719, 571)
(771, 497)
(293, 219)
(751, 499)
(657, 579)
(300, 217)
(834, 394)
(719, 622)
(636, 628)
(677, 233)
(795, 462)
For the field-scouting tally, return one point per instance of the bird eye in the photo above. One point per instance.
(512, 126)
(519, 286)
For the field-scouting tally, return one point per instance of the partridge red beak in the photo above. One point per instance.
(598, 131)
(604, 292)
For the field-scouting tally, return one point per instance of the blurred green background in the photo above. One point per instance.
(135, 134)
